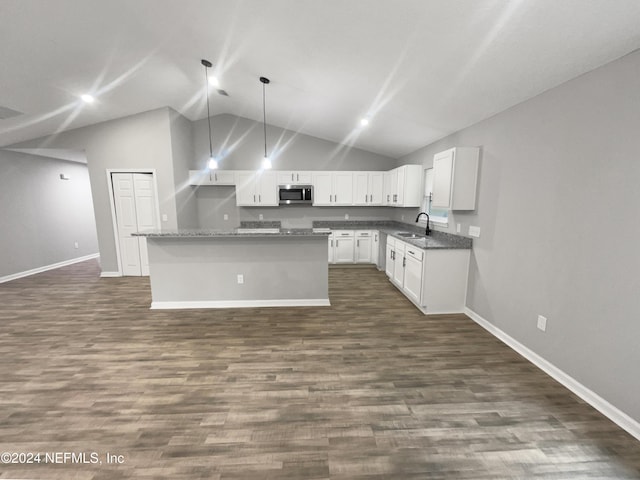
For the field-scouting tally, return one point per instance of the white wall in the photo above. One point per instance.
(558, 206)
(43, 216)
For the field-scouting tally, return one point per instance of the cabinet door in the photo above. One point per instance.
(330, 242)
(246, 188)
(363, 247)
(286, 178)
(399, 264)
(389, 264)
(266, 189)
(375, 246)
(222, 177)
(322, 188)
(343, 188)
(361, 188)
(442, 175)
(376, 180)
(344, 247)
(413, 277)
(303, 178)
(393, 187)
(387, 190)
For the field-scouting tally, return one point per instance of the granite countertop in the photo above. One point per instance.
(238, 232)
(436, 240)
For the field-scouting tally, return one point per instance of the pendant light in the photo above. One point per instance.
(213, 163)
(266, 161)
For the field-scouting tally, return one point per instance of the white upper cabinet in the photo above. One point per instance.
(211, 177)
(256, 189)
(294, 178)
(402, 186)
(455, 178)
(367, 188)
(332, 188)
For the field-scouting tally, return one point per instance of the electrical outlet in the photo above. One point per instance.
(75, 245)
(542, 323)
(225, 216)
(346, 216)
(401, 217)
(164, 217)
(260, 217)
(474, 231)
(240, 279)
(457, 228)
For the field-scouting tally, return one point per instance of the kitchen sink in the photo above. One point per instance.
(409, 235)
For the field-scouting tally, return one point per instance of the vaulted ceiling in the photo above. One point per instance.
(418, 69)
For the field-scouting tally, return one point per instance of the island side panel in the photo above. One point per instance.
(202, 272)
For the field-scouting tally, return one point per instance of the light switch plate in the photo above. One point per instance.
(542, 323)
(226, 216)
(164, 217)
(240, 279)
(474, 231)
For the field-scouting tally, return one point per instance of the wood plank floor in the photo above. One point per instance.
(368, 388)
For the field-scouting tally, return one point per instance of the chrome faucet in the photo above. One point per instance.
(427, 230)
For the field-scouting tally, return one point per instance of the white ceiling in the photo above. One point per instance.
(419, 68)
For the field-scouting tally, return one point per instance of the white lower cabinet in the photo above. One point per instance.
(363, 246)
(353, 246)
(413, 273)
(375, 246)
(399, 264)
(435, 280)
(390, 258)
(344, 243)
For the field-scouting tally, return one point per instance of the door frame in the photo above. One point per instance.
(112, 204)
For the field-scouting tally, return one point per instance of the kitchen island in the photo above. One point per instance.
(237, 268)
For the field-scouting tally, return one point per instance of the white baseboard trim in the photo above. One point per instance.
(303, 302)
(53, 266)
(110, 274)
(614, 414)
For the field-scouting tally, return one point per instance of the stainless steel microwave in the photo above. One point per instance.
(295, 194)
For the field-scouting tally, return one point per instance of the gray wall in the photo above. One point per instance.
(43, 216)
(558, 206)
(239, 144)
(182, 153)
(137, 142)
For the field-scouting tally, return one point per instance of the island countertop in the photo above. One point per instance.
(236, 232)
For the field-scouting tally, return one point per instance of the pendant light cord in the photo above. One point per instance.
(206, 77)
(264, 118)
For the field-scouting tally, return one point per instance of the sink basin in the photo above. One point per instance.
(409, 235)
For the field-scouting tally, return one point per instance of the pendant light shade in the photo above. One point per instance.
(213, 163)
(266, 161)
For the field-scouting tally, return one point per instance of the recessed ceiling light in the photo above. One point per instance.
(364, 122)
(87, 98)
(214, 82)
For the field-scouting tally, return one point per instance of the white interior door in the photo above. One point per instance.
(136, 211)
(146, 213)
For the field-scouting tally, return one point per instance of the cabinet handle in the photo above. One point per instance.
(336, 242)
(411, 252)
(357, 243)
(254, 199)
(298, 176)
(332, 242)
(335, 198)
(259, 198)
(292, 177)
(404, 261)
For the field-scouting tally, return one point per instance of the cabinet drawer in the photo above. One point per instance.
(414, 252)
(343, 233)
